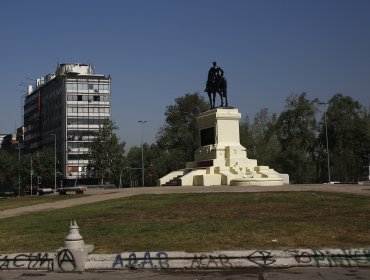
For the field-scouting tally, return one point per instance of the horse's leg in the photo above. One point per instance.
(222, 100)
(225, 94)
(214, 99)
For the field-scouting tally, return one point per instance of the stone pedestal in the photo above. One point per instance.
(220, 139)
(221, 159)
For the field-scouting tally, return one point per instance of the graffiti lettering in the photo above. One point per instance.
(147, 260)
(4, 263)
(262, 258)
(118, 261)
(300, 257)
(29, 261)
(159, 260)
(132, 261)
(163, 260)
(345, 257)
(207, 261)
(66, 261)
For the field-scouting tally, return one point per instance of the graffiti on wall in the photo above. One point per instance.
(142, 260)
(35, 261)
(66, 260)
(208, 261)
(258, 258)
(262, 258)
(331, 258)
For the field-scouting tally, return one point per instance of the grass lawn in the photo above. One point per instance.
(21, 201)
(199, 222)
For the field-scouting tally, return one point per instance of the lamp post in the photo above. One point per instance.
(55, 160)
(31, 175)
(142, 151)
(327, 141)
(19, 169)
(120, 177)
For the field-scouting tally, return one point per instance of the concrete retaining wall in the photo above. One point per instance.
(75, 256)
(67, 260)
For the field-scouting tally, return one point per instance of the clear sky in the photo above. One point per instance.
(159, 50)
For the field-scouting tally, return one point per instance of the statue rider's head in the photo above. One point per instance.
(214, 63)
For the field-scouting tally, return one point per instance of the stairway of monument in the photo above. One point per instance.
(177, 180)
(174, 182)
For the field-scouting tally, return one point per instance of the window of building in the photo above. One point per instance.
(79, 97)
(71, 97)
(78, 156)
(85, 121)
(82, 86)
(103, 86)
(96, 97)
(71, 87)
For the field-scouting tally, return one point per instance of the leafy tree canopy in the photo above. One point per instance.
(180, 134)
(106, 153)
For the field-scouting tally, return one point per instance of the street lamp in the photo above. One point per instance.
(327, 141)
(31, 175)
(55, 160)
(142, 151)
(120, 177)
(19, 169)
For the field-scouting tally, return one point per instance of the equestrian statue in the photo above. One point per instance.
(216, 83)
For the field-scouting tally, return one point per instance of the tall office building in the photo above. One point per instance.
(68, 107)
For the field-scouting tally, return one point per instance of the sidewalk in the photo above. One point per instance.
(297, 273)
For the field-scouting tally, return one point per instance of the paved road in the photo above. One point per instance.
(308, 273)
(97, 195)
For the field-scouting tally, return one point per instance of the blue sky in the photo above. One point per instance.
(159, 50)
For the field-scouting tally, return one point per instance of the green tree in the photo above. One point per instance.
(178, 138)
(247, 137)
(106, 153)
(296, 132)
(13, 168)
(260, 138)
(8, 172)
(43, 167)
(155, 164)
(349, 137)
(264, 131)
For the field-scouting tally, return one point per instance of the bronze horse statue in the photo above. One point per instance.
(216, 83)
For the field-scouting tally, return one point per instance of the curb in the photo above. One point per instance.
(72, 260)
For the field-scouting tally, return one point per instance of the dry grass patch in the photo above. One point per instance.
(202, 222)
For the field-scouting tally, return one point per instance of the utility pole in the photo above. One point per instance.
(327, 140)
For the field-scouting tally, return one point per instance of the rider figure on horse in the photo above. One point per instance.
(213, 74)
(216, 83)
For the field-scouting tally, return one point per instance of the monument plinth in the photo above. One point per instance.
(221, 159)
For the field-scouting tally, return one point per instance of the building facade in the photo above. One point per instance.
(68, 107)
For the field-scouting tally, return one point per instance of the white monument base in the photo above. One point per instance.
(221, 160)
